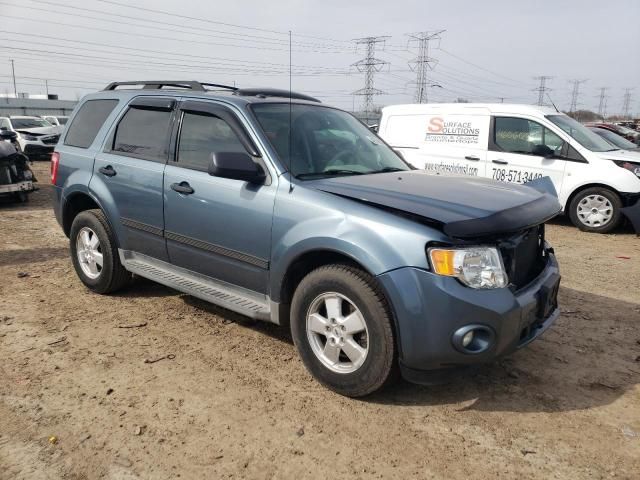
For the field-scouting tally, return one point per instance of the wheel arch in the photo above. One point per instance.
(76, 203)
(581, 188)
(308, 261)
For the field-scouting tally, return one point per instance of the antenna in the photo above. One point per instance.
(290, 122)
(554, 105)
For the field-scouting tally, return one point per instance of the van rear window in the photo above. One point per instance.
(87, 122)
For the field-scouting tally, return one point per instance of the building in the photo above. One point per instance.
(35, 106)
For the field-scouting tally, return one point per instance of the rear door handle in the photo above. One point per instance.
(472, 158)
(500, 162)
(183, 187)
(107, 171)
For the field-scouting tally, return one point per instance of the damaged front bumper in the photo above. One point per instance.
(430, 310)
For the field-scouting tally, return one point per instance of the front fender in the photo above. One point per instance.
(307, 220)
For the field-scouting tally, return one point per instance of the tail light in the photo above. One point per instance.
(55, 162)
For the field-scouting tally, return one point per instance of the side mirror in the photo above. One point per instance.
(237, 166)
(543, 151)
(8, 135)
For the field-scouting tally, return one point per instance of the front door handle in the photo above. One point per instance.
(473, 158)
(183, 187)
(500, 162)
(107, 171)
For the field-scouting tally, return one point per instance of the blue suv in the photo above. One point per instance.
(270, 204)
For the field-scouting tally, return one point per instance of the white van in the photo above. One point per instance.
(596, 183)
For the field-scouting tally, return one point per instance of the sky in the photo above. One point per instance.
(488, 51)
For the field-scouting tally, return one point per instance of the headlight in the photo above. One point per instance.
(632, 167)
(476, 267)
(30, 138)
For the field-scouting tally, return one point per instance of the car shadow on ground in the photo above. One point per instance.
(589, 358)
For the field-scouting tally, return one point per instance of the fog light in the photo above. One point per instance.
(473, 339)
(467, 339)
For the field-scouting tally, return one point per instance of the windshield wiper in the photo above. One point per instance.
(330, 172)
(390, 169)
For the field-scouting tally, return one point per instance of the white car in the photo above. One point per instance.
(596, 183)
(36, 137)
(57, 120)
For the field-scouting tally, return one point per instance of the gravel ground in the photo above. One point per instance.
(78, 401)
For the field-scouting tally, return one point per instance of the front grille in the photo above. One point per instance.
(51, 140)
(523, 256)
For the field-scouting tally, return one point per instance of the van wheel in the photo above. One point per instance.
(596, 210)
(341, 325)
(94, 253)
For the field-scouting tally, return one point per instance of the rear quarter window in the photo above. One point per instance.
(85, 125)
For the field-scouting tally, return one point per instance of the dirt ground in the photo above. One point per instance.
(236, 402)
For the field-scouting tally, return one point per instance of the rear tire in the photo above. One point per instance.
(342, 327)
(94, 253)
(596, 210)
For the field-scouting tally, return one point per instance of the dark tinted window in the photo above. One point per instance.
(519, 135)
(202, 135)
(143, 133)
(87, 122)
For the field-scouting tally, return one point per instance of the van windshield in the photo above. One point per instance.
(324, 142)
(581, 134)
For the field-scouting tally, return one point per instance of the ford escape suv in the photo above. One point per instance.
(273, 205)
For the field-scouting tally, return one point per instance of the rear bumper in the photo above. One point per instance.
(429, 309)
(26, 186)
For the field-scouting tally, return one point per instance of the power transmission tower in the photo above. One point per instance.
(575, 93)
(423, 63)
(602, 102)
(542, 89)
(369, 65)
(626, 102)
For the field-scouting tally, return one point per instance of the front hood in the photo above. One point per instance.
(40, 130)
(625, 155)
(464, 206)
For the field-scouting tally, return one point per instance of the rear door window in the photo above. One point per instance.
(143, 133)
(87, 122)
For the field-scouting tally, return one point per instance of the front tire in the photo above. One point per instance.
(341, 325)
(596, 210)
(94, 253)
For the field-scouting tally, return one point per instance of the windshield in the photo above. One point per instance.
(581, 134)
(19, 123)
(615, 139)
(324, 141)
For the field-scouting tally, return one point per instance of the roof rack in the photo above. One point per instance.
(273, 92)
(176, 84)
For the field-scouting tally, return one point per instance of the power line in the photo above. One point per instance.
(423, 63)
(369, 65)
(575, 92)
(542, 89)
(173, 14)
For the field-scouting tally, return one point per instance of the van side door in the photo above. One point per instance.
(217, 227)
(521, 150)
(128, 174)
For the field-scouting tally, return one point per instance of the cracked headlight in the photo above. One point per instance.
(476, 267)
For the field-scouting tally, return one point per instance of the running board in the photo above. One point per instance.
(225, 295)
